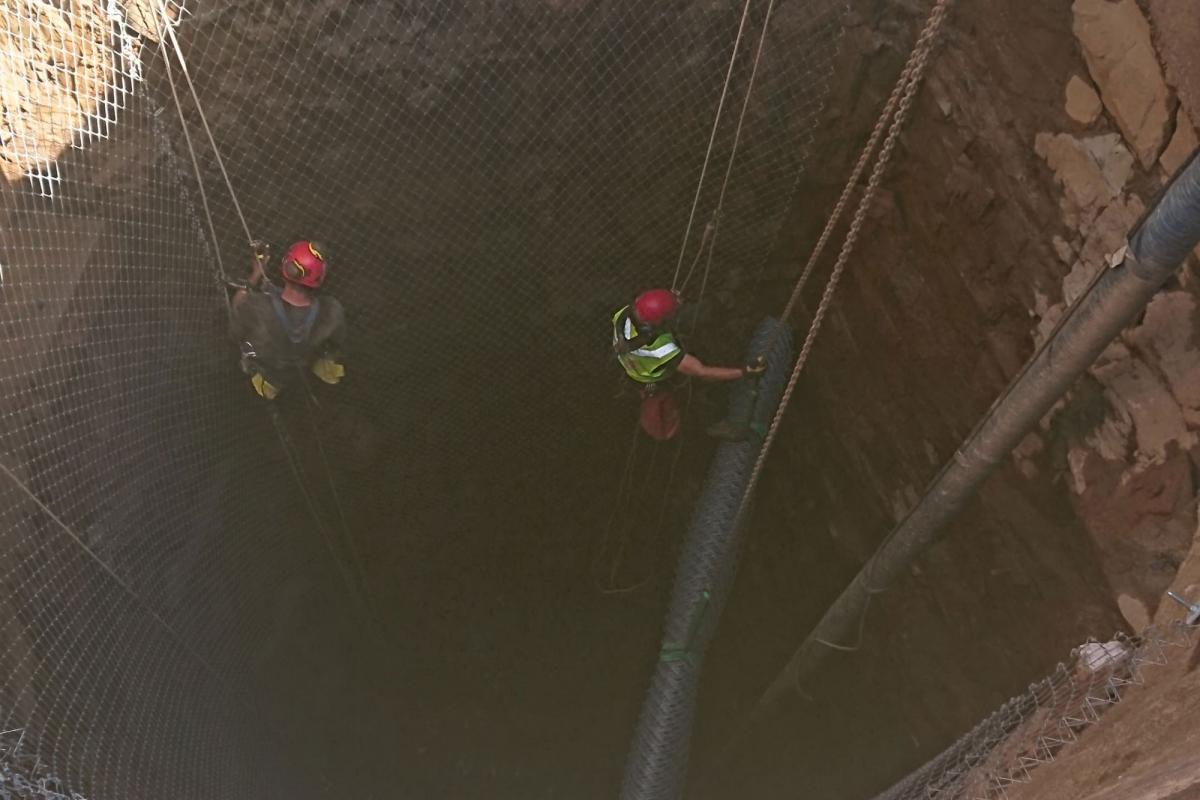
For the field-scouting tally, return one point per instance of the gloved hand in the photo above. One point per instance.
(260, 249)
(755, 368)
(265, 388)
(328, 370)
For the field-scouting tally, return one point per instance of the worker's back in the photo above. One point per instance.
(284, 337)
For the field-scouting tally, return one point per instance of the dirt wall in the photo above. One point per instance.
(1043, 132)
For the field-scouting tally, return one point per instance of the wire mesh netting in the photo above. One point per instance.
(492, 181)
(1032, 728)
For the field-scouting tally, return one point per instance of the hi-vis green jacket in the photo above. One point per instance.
(645, 361)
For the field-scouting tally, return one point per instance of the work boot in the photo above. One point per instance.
(729, 431)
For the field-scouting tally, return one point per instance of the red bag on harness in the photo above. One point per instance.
(660, 414)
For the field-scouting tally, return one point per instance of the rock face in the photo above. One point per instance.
(1141, 520)
(1115, 39)
(1183, 144)
(1092, 171)
(1130, 458)
(1168, 333)
(1177, 34)
(1083, 104)
(62, 77)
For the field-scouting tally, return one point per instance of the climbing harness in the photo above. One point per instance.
(297, 334)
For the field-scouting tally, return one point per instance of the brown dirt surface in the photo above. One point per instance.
(1177, 35)
(1143, 749)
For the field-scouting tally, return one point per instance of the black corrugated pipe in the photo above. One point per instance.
(1157, 246)
(657, 765)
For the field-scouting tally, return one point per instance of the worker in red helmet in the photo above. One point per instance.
(649, 350)
(287, 331)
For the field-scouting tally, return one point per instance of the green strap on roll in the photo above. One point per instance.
(674, 651)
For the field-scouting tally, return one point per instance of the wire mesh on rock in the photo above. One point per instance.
(492, 180)
(1032, 728)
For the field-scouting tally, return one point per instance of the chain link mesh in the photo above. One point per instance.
(1033, 727)
(492, 180)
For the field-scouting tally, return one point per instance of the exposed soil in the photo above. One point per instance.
(961, 243)
(1144, 748)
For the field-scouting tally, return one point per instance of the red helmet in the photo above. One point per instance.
(305, 264)
(655, 306)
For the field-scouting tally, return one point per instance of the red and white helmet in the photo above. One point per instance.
(655, 306)
(304, 264)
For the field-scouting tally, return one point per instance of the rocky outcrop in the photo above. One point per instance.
(1091, 171)
(65, 70)
(1167, 336)
(1183, 144)
(1129, 461)
(1177, 35)
(1142, 521)
(1115, 39)
(1083, 104)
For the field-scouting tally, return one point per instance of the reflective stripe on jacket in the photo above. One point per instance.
(649, 362)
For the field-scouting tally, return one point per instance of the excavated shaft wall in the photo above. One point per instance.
(657, 765)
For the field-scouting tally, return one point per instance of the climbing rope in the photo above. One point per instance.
(896, 109)
(711, 230)
(910, 79)
(170, 32)
(704, 240)
(902, 94)
(222, 275)
(327, 536)
(712, 139)
(901, 103)
(356, 557)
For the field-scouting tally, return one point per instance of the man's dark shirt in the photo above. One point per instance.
(255, 321)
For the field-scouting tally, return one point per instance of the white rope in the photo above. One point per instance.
(187, 137)
(712, 138)
(710, 230)
(170, 33)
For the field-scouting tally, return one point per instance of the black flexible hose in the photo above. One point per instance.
(657, 764)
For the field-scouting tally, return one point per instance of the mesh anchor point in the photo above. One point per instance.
(1193, 615)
